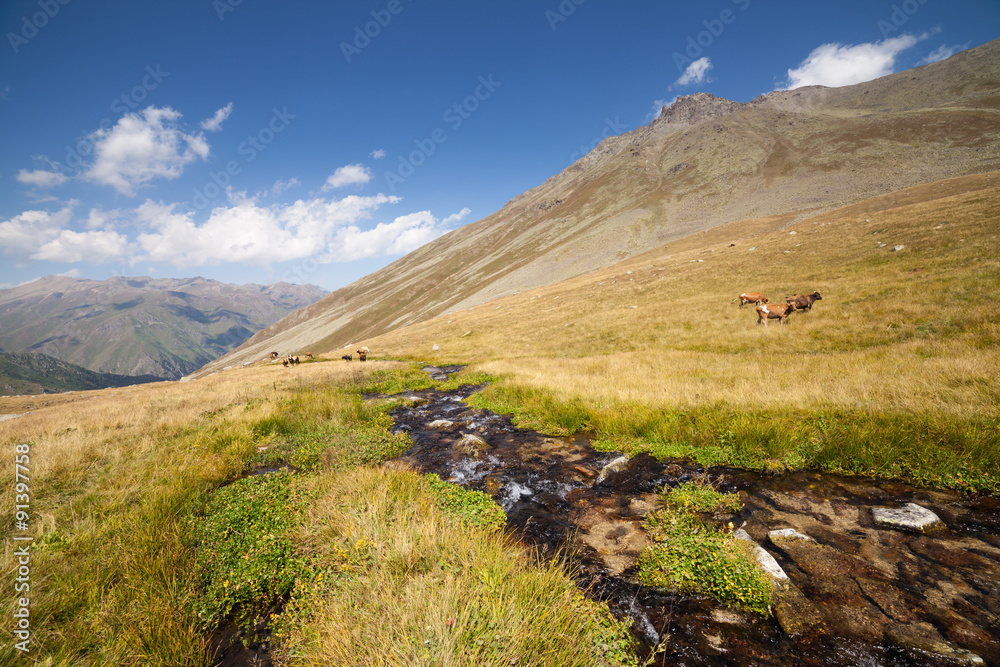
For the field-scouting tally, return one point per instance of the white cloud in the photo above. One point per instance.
(214, 124)
(249, 233)
(695, 72)
(23, 234)
(404, 234)
(839, 65)
(351, 174)
(98, 219)
(93, 246)
(280, 185)
(942, 52)
(378, 154)
(456, 217)
(142, 147)
(40, 178)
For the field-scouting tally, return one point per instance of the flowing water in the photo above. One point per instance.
(860, 594)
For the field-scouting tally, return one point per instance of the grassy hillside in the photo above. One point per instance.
(703, 163)
(149, 537)
(33, 373)
(894, 370)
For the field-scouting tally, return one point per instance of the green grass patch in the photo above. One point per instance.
(941, 450)
(691, 556)
(475, 507)
(246, 562)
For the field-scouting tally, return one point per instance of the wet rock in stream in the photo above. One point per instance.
(857, 593)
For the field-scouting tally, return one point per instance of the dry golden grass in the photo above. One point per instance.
(909, 330)
(406, 585)
(913, 334)
(111, 476)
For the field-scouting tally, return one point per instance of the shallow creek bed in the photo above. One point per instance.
(863, 586)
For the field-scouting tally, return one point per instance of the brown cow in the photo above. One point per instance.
(363, 354)
(274, 355)
(774, 311)
(803, 301)
(309, 355)
(748, 297)
(347, 357)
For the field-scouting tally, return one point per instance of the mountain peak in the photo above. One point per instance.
(692, 109)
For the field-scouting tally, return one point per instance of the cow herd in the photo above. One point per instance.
(290, 359)
(777, 311)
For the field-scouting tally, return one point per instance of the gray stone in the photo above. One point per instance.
(787, 535)
(472, 445)
(766, 560)
(436, 348)
(440, 424)
(898, 248)
(615, 465)
(911, 517)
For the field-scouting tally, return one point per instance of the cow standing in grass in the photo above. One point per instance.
(773, 311)
(363, 354)
(750, 297)
(803, 301)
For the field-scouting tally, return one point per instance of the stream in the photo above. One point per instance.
(858, 592)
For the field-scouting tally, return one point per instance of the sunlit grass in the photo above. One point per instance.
(892, 373)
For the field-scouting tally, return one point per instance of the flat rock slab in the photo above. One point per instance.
(923, 641)
(441, 424)
(910, 517)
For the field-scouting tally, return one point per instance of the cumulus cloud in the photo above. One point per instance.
(352, 174)
(214, 124)
(91, 246)
(842, 65)
(404, 234)
(378, 154)
(23, 234)
(325, 230)
(40, 178)
(696, 72)
(249, 233)
(142, 147)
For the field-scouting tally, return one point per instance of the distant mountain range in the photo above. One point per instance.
(35, 373)
(162, 328)
(703, 162)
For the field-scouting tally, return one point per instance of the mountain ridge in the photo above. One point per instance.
(140, 326)
(704, 162)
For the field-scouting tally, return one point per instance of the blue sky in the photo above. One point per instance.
(253, 141)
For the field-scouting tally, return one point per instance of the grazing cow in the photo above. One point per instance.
(347, 357)
(748, 297)
(293, 359)
(774, 311)
(284, 362)
(274, 355)
(309, 355)
(363, 354)
(803, 301)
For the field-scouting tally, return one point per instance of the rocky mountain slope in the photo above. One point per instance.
(704, 162)
(141, 326)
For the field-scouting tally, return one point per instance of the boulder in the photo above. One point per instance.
(910, 517)
(472, 445)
